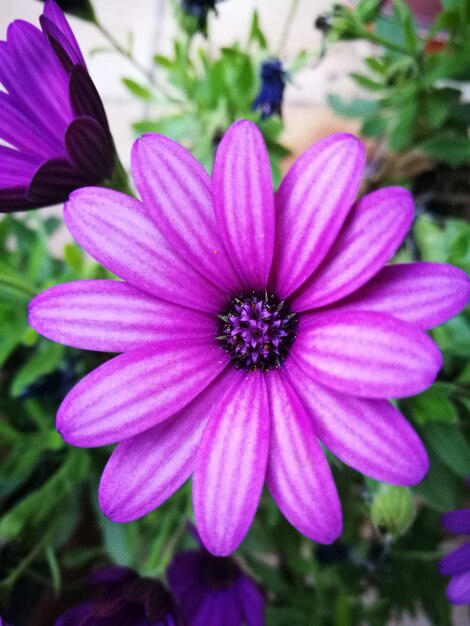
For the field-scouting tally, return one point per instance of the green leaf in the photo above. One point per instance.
(366, 82)
(402, 127)
(433, 406)
(440, 488)
(256, 34)
(38, 507)
(354, 108)
(374, 126)
(450, 446)
(142, 92)
(43, 361)
(447, 148)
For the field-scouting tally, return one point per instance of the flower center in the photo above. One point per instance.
(257, 331)
(220, 572)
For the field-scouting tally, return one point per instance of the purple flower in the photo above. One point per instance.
(457, 563)
(253, 326)
(81, 8)
(424, 11)
(51, 116)
(273, 82)
(121, 598)
(212, 591)
(199, 10)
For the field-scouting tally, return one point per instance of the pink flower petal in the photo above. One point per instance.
(298, 474)
(424, 294)
(231, 465)
(312, 204)
(370, 237)
(244, 202)
(366, 354)
(458, 590)
(111, 316)
(369, 435)
(176, 191)
(116, 231)
(137, 390)
(145, 470)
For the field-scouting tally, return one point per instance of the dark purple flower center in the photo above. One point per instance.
(257, 331)
(220, 572)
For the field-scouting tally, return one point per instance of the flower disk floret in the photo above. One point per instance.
(174, 400)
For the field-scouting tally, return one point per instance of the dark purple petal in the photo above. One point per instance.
(35, 75)
(14, 199)
(84, 97)
(53, 182)
(457, 521)
(59, 44)
(90, 149)
(456, 562)
(26, 134)
(110, 575)
(76, 616)
(251, 600)
(55, 16)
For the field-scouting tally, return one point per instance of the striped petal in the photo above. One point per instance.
(372, 234)
(111, 316)
(231, 465)
(423, 294)
(89, 149)
(145, 470)
(16, 168)
(312, 204)
(369, 435)
(458, 590)
(53, 181)
(116, 230)
(137, 390)
(298, 476)
(366, 354)
(54, 15)
(176, 190)
(244, 202)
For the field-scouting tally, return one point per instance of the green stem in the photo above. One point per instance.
(148, 74)
(287, 27)
(28, 291)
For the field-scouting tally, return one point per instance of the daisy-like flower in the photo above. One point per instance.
(121, 598)
(253, 326)
(457, 563)
(50, 115)
(214, 590)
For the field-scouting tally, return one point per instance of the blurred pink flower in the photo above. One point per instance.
(424, 11)
(253, 326)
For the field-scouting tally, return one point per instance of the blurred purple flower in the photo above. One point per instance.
(51, 116)
(424, 11)
(214, 590)
(273, 82)
(457, 563)
(252, 326)
(121, 598)
(199, 10)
